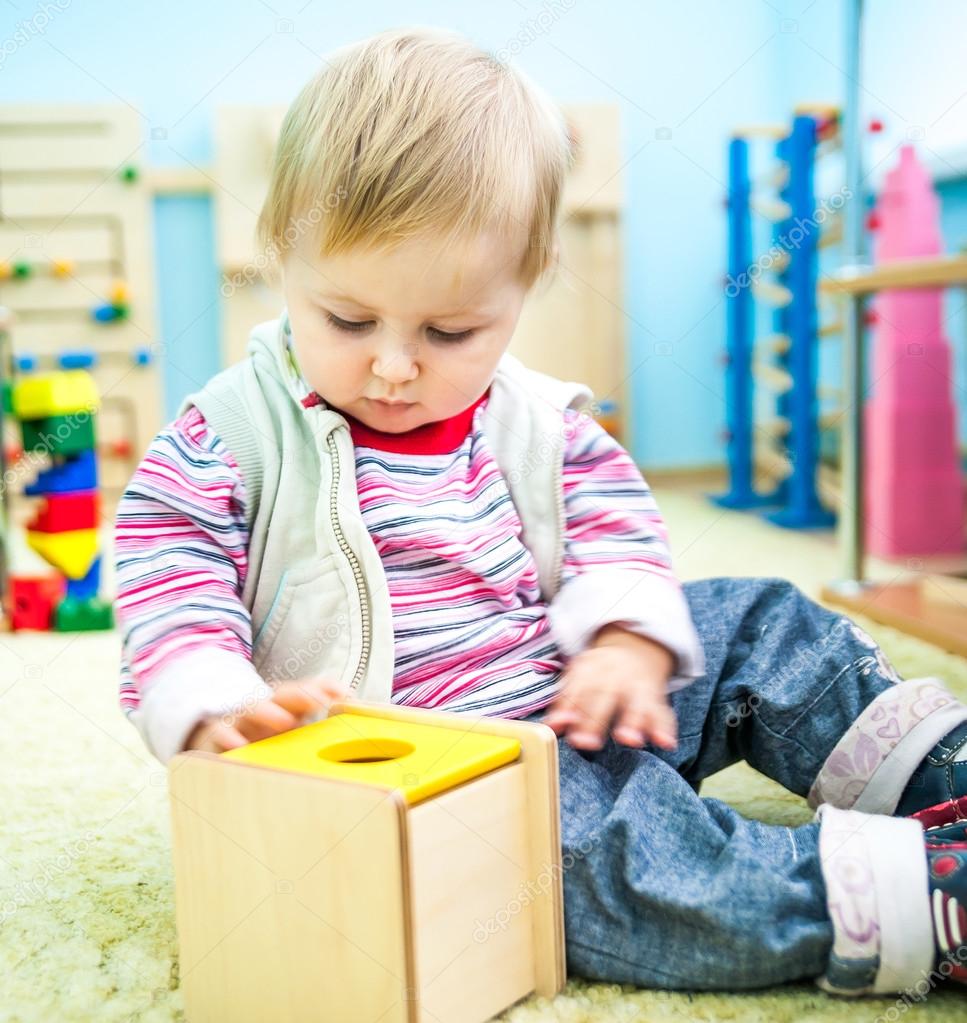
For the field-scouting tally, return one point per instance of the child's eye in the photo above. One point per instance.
(442, 335)
(352, 326)
(356, 326)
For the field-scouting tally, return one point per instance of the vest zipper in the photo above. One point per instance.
(561, 519)
(354, 563)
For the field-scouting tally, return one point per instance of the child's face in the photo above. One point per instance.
(371, 326)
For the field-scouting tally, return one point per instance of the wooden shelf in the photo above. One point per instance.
(933, 608)
(937, 272)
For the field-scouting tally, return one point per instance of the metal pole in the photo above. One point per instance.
(851, 519)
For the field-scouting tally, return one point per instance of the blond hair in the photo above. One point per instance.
(414, 132)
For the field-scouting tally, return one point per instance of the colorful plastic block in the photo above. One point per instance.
(80, 359)
(55, 394)
(6, 397)
(33, 600)
(92, 614)
(72, 552)
(83, 589)
(59, 435)
(63, 512)
(79, 472)
(108, 312)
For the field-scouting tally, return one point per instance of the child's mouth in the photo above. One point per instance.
(393, 407)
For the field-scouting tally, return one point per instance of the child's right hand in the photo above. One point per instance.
(290, 702)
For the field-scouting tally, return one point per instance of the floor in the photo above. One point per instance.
(86, 924)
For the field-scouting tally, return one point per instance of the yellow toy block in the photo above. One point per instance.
(419, 760)
(386, 863)
(72, 551)
(55, 394)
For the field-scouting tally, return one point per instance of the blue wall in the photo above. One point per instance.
(188, 288)
(682, 73)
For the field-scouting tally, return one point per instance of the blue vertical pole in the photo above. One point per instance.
(780, 316)
(803, 508)
(739, 336)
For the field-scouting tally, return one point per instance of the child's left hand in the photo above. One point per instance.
(621, 678)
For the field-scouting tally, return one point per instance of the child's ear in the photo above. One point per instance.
(553, 255)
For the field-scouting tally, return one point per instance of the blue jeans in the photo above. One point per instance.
(664, 888)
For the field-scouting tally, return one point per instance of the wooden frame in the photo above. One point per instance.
(933, 607)
(65, 199)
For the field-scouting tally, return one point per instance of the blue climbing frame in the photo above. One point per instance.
(795, 501)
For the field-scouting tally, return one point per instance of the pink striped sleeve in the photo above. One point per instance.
(612, 516)
(617, 565)
(181, 547)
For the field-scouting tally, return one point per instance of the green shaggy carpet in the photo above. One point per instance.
(86, 914)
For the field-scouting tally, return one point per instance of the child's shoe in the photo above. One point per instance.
(941, 776)
(945, 819)
(947, 879)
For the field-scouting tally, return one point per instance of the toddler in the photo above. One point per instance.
(381, 502)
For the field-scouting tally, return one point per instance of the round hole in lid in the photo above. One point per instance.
(366, 751)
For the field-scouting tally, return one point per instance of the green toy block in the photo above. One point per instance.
(59, 435)
(6, 397)
(129, 174)
(88, 615)
(22, 270)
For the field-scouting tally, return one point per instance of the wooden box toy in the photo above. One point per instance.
(384, 864)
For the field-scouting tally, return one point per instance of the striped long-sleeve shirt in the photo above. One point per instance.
(471, 630)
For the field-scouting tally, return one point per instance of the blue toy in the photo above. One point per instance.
(78, 472)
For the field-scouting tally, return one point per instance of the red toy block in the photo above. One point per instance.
(61, 512)
(33, 600)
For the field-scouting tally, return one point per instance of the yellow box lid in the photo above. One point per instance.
(420, 760)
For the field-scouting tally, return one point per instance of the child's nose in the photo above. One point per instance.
(396, 363)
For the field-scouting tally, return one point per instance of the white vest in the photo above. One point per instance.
(315, 587)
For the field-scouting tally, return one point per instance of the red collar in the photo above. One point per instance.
(439, 438)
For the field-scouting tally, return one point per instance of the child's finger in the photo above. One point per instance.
(265, 719)
(218, 736)
(596, 709)
(304, 696)
(662, 726)
(634, 723)
(559, 716)
(627, 735)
